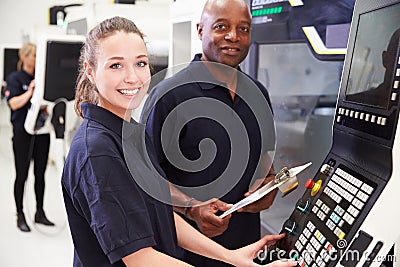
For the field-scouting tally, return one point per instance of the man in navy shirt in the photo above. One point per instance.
(212, 129)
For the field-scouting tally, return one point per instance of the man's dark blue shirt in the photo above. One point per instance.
(193, 127)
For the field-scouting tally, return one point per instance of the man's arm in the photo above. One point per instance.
(263, 203)
(203, 213)
(267, 200)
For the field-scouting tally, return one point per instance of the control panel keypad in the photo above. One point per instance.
(350, 195)
(315, 250)
(344, 197)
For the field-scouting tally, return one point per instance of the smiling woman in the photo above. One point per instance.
(113, 222)
(120, 74)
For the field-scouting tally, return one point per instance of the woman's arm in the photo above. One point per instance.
(191, 239)
(151, 257)
(18, 102)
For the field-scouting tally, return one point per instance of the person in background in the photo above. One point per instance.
(26, 147)
(113, 222)
(224, 31)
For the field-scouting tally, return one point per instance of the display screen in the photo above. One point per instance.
(62, 62)
(266, 11)
(269, 11)
(374, 57)
(10, 61)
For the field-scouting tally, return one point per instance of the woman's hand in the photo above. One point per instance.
(244, 256)
(31, 87)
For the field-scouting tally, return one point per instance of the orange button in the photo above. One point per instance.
(309, 183)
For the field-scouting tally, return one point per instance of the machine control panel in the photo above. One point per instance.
(335, 203)
(347, 215)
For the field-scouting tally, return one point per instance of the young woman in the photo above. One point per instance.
(113, 222)
(19, 90)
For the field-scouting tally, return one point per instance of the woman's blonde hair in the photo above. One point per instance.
(85, 90)
(25, 50)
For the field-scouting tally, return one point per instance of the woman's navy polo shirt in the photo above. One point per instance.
(109, 215)
(17, 84)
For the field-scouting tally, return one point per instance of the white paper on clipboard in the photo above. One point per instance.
(290, 177)
(251, 198)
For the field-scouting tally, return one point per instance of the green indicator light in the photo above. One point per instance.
(266, 11)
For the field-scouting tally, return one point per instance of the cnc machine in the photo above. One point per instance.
(347, 215)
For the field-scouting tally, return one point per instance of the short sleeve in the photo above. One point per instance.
(114, 206)
(13, 87)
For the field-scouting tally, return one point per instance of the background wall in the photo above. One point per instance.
(19, 19)
(22, 20)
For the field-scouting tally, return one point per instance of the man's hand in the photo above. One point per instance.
(204, 214)
(263, 203)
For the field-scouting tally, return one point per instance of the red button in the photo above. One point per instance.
(309, 183)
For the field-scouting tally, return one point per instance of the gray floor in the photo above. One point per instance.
(43, 246)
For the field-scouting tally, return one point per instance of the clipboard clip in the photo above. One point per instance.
(288, 178)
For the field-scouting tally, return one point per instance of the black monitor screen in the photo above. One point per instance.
(10, 61)
(374, 57)
(62, 62)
